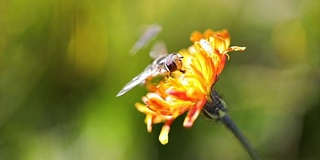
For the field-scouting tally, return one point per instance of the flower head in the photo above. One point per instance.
(187, 92)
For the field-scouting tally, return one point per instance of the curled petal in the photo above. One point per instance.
(235, 48)
(164, 134)
(193, 113)
(196, 36)
(149, 122)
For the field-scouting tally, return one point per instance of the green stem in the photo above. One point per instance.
(215, 108)
(226, 119)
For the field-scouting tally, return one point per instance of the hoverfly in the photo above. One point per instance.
(163, 65)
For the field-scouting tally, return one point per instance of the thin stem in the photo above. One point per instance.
(215, 108)
(226, 119)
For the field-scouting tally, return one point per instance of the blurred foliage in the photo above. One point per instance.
(62, 63)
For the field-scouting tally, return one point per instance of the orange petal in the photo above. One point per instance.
(193, 114)
(196, 36)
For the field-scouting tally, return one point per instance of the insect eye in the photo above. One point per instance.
(172, 66)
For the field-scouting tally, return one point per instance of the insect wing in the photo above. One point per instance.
(159, 49)
(147, 36)
(137, 80)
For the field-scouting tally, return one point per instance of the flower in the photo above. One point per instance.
(189, 91)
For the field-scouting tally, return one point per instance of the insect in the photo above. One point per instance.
(163, 65)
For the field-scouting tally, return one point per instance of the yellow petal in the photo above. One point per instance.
(164, 135)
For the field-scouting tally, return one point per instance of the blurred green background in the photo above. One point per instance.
(63, 62)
